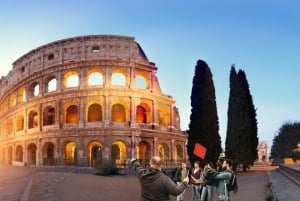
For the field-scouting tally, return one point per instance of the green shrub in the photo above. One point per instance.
(106, 168)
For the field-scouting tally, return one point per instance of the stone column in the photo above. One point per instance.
(106, 110)
(155, 146)
(24, 153)
(59, 82)
(81, 158)
(39, 160)
(58, 155)
(154, 115)
(81, 113)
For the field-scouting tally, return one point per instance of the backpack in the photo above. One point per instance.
(232, 185)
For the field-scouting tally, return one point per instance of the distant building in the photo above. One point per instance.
(82, 100)
(262, 152)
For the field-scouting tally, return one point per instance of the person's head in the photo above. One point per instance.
(197, 164)
(183, 165)
(220, 162)
(210, 164)
(156, 162)
(227, 164)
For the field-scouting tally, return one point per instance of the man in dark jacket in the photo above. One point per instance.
(155, 185)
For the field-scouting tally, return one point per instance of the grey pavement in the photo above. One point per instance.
(30, 184)
(283, 188)
(14, 182)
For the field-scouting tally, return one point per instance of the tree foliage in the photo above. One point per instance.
(204, 124)
(286, 141)
(241, 139)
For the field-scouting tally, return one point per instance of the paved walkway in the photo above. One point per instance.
(27, 184)
(14, 182)
(283, 188)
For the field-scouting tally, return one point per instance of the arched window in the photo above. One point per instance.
(48, 116)
(20, 122)
(71, 79)
(19, 153)
(118, 113)
(94, 113)
(95, 78)
(12, 100)
(118, 79)
(72, 114)
(33, 119)
(141, 116)
(140, 82)
(21, 95)
(33, 90)
(51, 85)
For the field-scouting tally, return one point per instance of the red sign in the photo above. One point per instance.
(199, 150)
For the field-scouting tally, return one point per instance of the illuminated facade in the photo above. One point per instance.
(82, 100)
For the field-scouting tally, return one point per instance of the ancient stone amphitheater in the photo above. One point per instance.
(82, 100)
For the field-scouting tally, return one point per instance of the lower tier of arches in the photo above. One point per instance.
(78, 150)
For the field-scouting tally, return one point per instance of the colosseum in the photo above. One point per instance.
(83, 100)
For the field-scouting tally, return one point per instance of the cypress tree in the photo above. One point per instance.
(250, 118)
(241, 139)
(233, 118)
(204, 124)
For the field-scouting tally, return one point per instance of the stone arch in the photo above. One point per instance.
(71, 79)
(119, 77)
(48, 116)
(70, 151)
(34, 89)
(95, 77)
(94, 112)
(163, 115)
(48, 153)
(94, 153)
(33, 119)
(20, 122)
(19, 153)
(178, 154)
(144, 152)
(21, 95)
(143, 113)
(12, 100)
(71, 113)
(142, 79)
(119, 152)
(118, 113)
(50, 84)
(31, 154)
(163, 152)
(140, 82)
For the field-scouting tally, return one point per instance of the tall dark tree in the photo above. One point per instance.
(204, 124)
(241, 139)
(286, 142)
(251, 121)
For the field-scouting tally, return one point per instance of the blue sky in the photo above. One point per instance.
(260, 37)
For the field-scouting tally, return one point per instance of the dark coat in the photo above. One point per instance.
(177, 176)
(155, 185)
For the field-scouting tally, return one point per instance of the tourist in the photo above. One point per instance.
(195, 181)
(209, 182)
(223, 179)
(155, 185)
(180, 174)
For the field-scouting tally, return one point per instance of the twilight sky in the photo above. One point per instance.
(260, 37)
